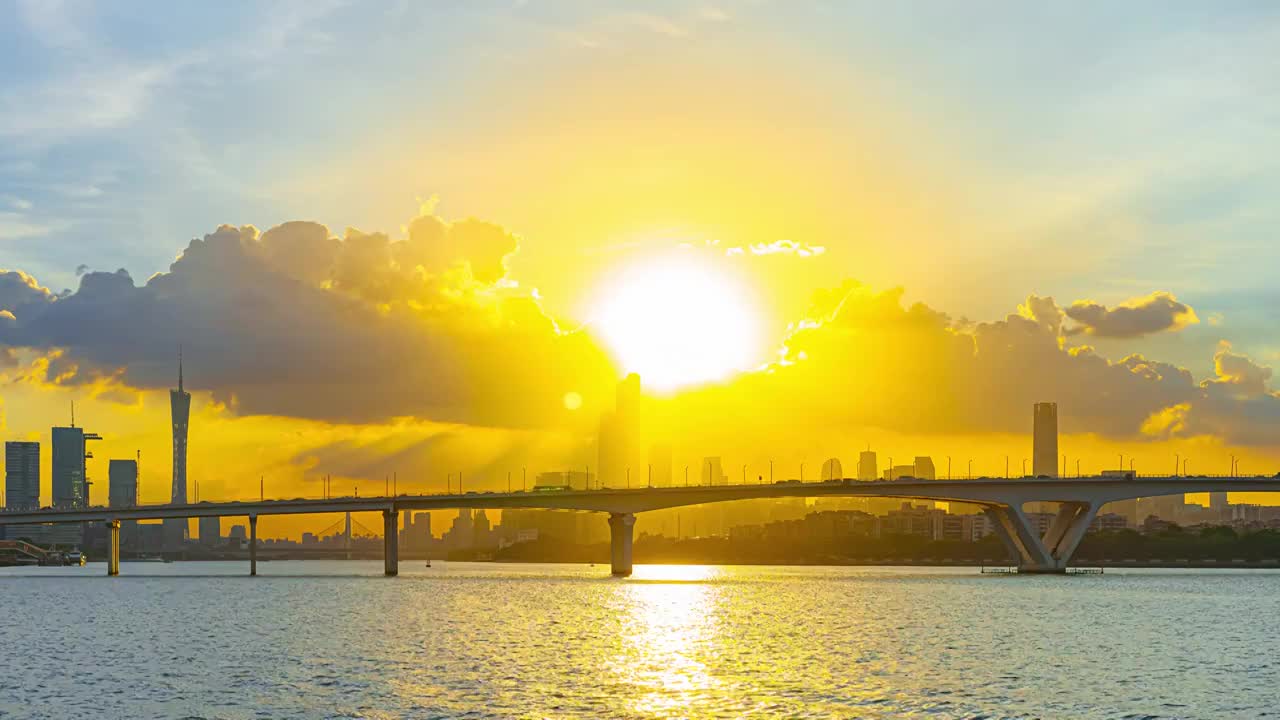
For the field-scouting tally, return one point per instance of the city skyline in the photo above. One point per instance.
(435, 321)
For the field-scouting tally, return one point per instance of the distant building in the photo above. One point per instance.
(621, 455)
(122, 483)
(899, 471)
(22, 475)
(1108, 522)
(482, 535)
(1044, 455)
(210, 529)
(70, 475)
(867, 465)
(416, 534)
(831, 470)
(461, 535)
(712, 472)
(918, 520)
(923, 468)
(175, 529)
(1218, 501)
(568, 479)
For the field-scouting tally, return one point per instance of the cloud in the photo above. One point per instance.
(19, 291)
(779, 247)
(297, 322)
(1157, 312)
(863, 359)
(1238, 374)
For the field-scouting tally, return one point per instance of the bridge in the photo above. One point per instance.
(1001, 499)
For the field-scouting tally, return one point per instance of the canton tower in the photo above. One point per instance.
(175, 529)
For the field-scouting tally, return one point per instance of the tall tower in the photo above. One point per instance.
(1044, 455)
(175, 529)
(620, 451)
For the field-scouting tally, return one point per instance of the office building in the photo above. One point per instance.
(867, 465)
(621, 456)
(210, 529)
(416, 534)
(22, 475)
(923, 468)
(712, 472)
(70, 475)
(1044, 454)
(831, 470)
(175, 529)
(122, 483)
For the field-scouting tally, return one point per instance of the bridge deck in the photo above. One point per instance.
(993, 492)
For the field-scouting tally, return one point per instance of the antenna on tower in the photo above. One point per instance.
(179, 367)
(73, 413)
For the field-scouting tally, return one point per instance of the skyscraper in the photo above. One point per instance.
(713, 472)
(70, 478)
(867, 465)
(22, 474)
(621, 453)
(122, 483)
(175, 529)
(923, 468)
(831, 470)
(1045, 444)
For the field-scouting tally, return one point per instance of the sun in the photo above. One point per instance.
(677, 322)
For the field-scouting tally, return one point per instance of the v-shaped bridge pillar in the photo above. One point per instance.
(1051, 553)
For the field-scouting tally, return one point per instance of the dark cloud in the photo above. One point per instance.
(297, 322)
(19, 291)
(1154, 313)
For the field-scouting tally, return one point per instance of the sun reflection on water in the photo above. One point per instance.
(672, 626)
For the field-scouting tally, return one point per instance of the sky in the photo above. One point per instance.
(404, 237)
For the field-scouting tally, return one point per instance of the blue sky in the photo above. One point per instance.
(1098, 150)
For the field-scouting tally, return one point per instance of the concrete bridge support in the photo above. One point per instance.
(620, 533)
(1051, 553)
(113, 549)
(390, 543)
(253, 544)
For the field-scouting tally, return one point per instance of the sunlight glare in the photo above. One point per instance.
(678, 322)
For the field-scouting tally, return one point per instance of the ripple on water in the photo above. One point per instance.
(316, 639)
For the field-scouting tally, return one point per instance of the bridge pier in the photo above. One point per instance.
(113, 549)
(253, 545)
(390, 543)
(620, 533)
(1051, 553)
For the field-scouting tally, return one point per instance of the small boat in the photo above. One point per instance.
(428, 563)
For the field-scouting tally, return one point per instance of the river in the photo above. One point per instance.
(321, 639)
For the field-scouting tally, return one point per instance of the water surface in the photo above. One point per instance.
(321, 639)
